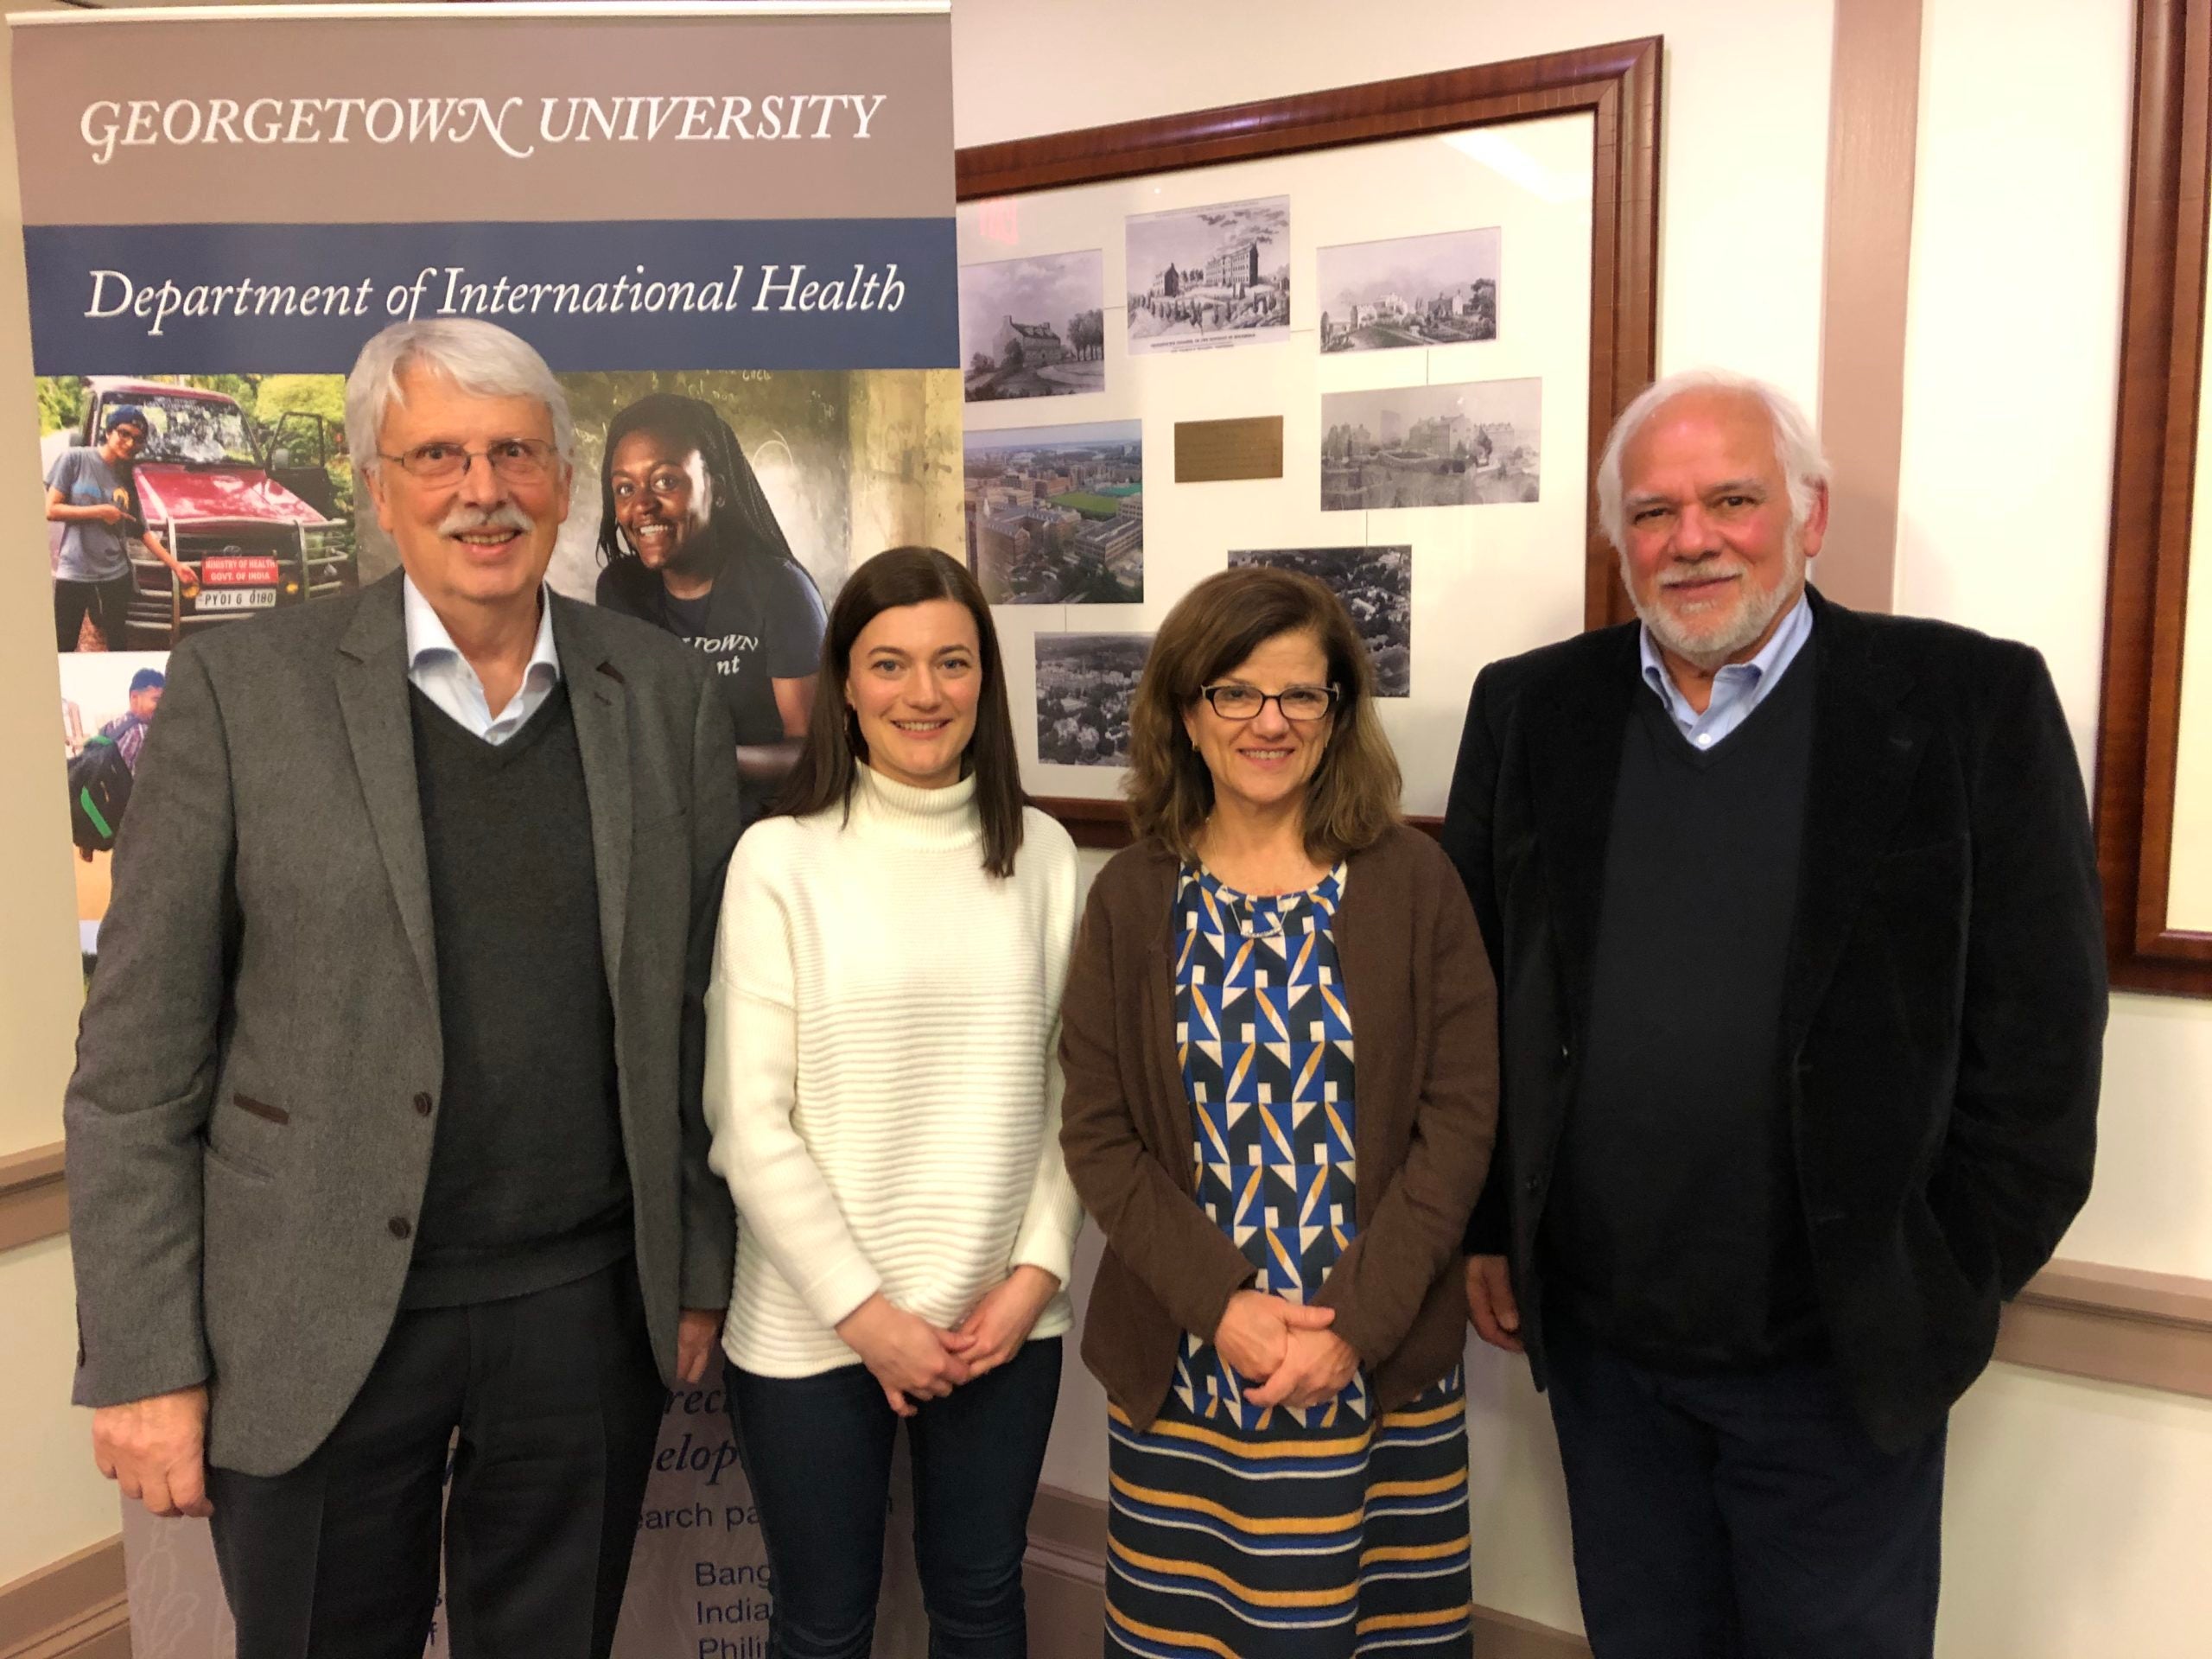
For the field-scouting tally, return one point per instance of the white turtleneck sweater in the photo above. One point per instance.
(881, 1084)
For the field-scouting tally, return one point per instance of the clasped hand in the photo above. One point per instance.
(911, 1359)
(1285, 1348)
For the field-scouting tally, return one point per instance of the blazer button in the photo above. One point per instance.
(399, 1227)
(423, 1104)
(1533, 1185)
(1563, 1051)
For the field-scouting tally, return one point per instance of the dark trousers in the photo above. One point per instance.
(108, 601)
(817, 1452)
(557, 1403)
(1741, 1516)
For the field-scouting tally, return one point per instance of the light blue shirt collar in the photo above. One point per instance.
(1738, 689)
(437, 669)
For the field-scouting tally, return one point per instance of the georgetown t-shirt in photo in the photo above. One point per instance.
(762, 620)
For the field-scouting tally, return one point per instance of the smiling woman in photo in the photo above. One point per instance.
(691, 545)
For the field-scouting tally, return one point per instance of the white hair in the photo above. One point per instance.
(1796, 443)
(478, 357)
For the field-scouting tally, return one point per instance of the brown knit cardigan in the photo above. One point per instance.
(1418, 985)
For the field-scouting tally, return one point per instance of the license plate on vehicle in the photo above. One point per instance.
(237, 599)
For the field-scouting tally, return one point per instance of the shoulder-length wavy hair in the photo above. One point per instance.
(828, 764)
(739, 522)
(1352, 797)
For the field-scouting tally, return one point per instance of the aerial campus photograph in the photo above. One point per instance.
(1055, 515)
(1085, 683)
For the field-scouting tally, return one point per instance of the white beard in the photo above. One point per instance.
(1714, 639)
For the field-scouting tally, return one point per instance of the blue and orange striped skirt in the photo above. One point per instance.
(1287, 1542)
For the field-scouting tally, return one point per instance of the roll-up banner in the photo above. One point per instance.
(744, 213)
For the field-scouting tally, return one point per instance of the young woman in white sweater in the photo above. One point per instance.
(884, 1102)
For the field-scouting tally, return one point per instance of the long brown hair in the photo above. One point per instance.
(829, 765)
(1352, 796)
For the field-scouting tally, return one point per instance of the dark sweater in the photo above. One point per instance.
(1675, 1228)
(528, 1186)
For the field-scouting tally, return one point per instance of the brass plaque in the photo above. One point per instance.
(1208, 452)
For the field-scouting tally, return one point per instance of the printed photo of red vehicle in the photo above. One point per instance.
(253, 512)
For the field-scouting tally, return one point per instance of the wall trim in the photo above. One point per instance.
(1064, 1576)
(33, 1198)
(2082, 1318)
(2116, 1325)
(74, 1608)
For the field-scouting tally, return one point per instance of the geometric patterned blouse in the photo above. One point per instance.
(1266, 1043)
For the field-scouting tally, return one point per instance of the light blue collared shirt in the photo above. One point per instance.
(439, 672)
(1738, 689)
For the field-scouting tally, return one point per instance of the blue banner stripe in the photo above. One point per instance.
(300, 299)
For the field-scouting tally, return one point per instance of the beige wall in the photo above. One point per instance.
(2005, 497)
(2075, 1527)
(2076, 1524)
(39, 994)
(56, 1502)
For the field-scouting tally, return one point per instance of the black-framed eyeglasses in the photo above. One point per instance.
(1299, 702)
(519, 460)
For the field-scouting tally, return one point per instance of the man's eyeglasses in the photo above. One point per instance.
(519, 460)
(1299, 702)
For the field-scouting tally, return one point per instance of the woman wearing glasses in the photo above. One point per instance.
(1278, 1319)
(692, 546)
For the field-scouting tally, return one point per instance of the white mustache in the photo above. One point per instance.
(507, 515)
(1704, 570)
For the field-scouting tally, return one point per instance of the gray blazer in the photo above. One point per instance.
(258, 1066)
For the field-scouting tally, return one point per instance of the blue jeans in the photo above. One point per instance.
(1743, 1516)
(817, 1452)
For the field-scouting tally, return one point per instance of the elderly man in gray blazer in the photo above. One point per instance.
(384, 1128)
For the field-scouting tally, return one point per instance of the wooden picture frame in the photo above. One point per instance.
(1617, 84)
(2154, 478)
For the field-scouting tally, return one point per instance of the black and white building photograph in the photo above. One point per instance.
(1033, 327)
(1376, 587)
(1209, 276)
(1055, 514)
(1085, 683)
(1473, 444)
(1412, 290)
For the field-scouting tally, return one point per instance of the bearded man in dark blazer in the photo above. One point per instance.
(1795, 918)
(384, 1133)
